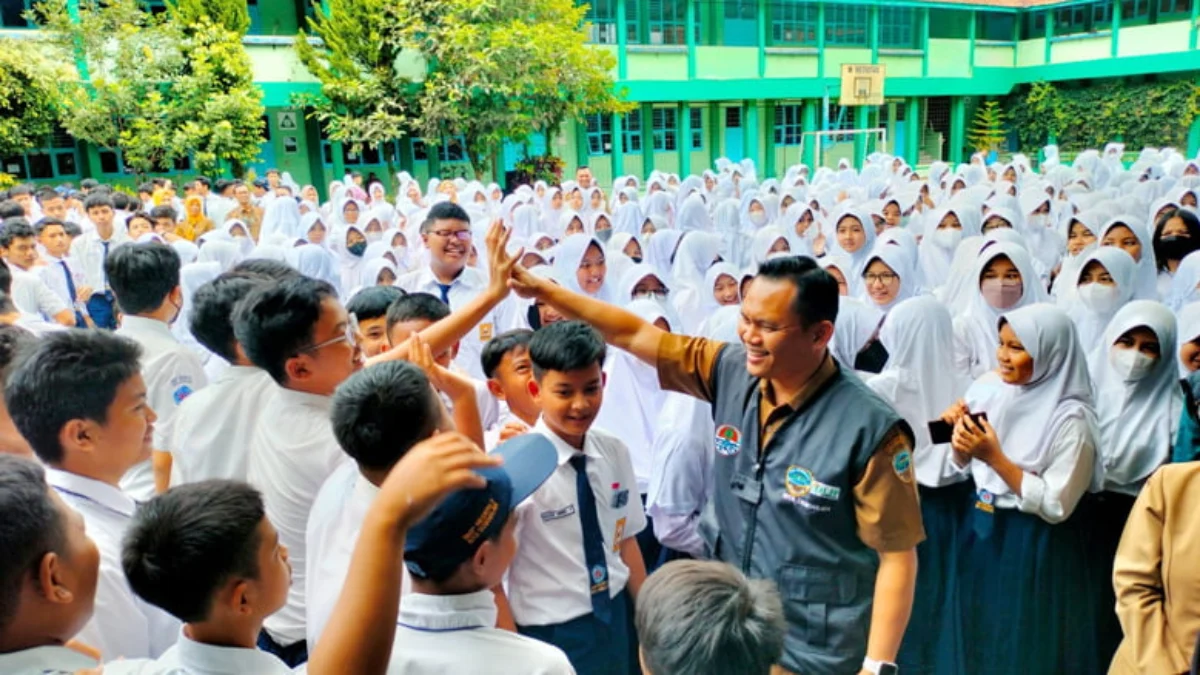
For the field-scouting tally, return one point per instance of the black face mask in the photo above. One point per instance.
(1176, 247)
(636, 258)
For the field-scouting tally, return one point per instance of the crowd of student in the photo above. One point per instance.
(279, 363)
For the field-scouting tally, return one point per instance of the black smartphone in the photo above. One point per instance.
(940, 431)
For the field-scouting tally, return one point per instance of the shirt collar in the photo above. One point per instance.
(105, 495)
(304, 398)
(146, 326)
(197, 657)
(562, 448)
(48, 659)
(448, 612)
(468, 278)
(826, 370)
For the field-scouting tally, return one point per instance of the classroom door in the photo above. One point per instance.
(734, 142)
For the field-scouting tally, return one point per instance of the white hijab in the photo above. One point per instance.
(919, 379)
(978, 323)
(1138, 418)
(1089, 323)
(1027, 417)
(569, 255)
(856, 322)
(902, 264)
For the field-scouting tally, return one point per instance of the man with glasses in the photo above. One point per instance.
(446, 232)
(813, 474)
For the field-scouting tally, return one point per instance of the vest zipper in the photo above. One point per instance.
(748, 549)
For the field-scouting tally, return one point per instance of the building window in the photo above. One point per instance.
(256, 27)
(57, 159)
(664, 128)
(898, 28)
(948, 25)
(841, 118)
(789, 124)
(12, 13)
(995, 26)
(366, 156)
(1088, 17)
(668, 22)
(1033, 25)
(631, 132)
(741, 23)
(452, 149)
(697, 127)
(846, 25)
(1174, 9)
(112, 162)
(794, 23)
(599, 134)
(602, 15)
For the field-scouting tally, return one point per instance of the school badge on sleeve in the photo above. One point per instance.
(902, 465)
(728, 440)
(485, 332)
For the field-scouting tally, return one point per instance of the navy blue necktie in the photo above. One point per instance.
(79, 322)
(103, 260)
(445, 289)
(593, 541)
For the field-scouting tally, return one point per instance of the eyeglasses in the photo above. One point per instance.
(461, 235)
(350, 337)
(651, 295)
(884, 278)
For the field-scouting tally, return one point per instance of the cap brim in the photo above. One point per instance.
(529, 459)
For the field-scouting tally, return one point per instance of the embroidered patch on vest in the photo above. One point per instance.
(728, 440)
(800, 483)
(902, 464)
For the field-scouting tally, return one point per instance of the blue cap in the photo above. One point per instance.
(457, 527)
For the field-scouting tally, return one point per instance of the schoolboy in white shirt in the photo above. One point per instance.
(506, 363)
(578, 570)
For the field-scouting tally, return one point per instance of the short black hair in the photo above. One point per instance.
(444, 211)
(147, 187)
(272, 269)
(14, 340)
(414, 306)
(5, 278)
(15, 228)
(68, 375)
(89, 184)
(73, 229)
(816, 289)
(186, 543)
(495, 349)
(142, 275)
(566, 346)
(41, 225)
(213, 304)
(373, 302)
(121, 201)
(46, 194)
(32, 526)
(20, 189)
(163, 211)
(274, 323)
(10, 209)
(94, 201)
(204, 180)
(381, 411)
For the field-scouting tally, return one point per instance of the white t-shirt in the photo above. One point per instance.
(214, 427)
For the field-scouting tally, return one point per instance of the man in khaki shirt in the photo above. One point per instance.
(246, 211)
(787, 352)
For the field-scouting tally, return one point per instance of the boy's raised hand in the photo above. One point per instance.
(428, 472)
(500, 263)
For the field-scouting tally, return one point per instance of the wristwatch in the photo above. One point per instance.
(880, 667)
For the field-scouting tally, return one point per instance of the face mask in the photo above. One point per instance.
(1175, 247)
(1001, 294)
(373, 237)
(948, 238)
(636, 258)
(1099, 298)
(604, 235)
(758, 218)
(357, 249)
(1130, 364)
(399, 252)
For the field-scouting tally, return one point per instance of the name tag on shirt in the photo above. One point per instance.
(548, 516)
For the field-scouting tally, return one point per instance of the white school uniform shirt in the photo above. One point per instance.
(172, 374)
(453, 634)
(87, 251)
(332, 533)
(548, 581)
(54, 275)
(188, 657)
(491, 437)
(682, 482)
(213, 428)
(49, 660)
(292, 452)
(31, 295)
(123, 625)
(469, 284)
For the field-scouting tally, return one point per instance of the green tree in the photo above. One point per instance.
(233, 15)
(157, 88)
(486, 70)
(987, 130)
(29, 97)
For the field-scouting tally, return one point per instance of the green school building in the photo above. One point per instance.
(733, 78)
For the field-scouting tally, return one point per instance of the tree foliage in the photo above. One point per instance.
(29, 97)
(494, 70)
(233, 15)
(987, 130)
(157, 88)
(1141, 113)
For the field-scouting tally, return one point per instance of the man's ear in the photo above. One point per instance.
(50, 582)
(495, 390)
(79, 435)
(298, 368)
